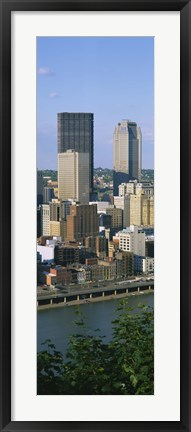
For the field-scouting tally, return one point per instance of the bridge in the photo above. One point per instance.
(113, 288)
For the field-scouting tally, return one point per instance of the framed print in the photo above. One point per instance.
(95, 117)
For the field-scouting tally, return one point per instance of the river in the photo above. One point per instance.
(57, 324)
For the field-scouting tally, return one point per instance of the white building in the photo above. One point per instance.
(56, 239)
(101, 206)
(45, 219)
(132, 239)
(135, 188)
(143, 264)
(73, 176)
(46, 252)
(127, 188)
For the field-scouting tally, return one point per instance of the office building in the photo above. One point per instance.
(143, 264)
(45, 219)
(54, 210)
(136, 188)
(146, 187)
(123, 202)
(127, 188)
(38, 222)
(101, 247)
(108, 270)
(148, 210)
(149, 246)
(65, 209)
(89, 243)
(132, 239)
(48, 194)
(59, 210)
(125, 264)
(39, 187)
(73, 176)
(101, 205)
(82, 222)
(68, 254)
(76, 132)
(46, 253)
(58, 228)
(104, 221)
(141, 210)
(135, 209)
(127, 146)
(116, 217)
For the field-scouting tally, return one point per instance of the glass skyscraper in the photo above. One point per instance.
(127, 145)
(76, 132)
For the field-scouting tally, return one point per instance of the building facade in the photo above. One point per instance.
(82, 222)
(127, 146)
(73, 176)
(48, 194)
(123, 202)
(39, 187)
(76, 132)
(45, 219)
(125, 264)
(143, 264)
(132, 239)
(141, 210)
(116, 217)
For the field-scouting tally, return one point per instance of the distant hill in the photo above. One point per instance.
(147, 174)
(106, 173)
(50, 173)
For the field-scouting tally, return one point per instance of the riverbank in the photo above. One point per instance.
(93, 300)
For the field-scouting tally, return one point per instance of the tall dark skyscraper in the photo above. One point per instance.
(40, 188)
(127, 145)
(76, 132)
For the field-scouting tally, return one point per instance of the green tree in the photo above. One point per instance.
(49, 370)
(125, 366)
(133, 348)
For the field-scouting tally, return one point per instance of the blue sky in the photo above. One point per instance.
(112, 77)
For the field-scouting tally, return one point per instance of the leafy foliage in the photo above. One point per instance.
(124, 366)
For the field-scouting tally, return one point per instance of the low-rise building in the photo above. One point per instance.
(97, 273)
(84, 274)
(51, 279)
(132, 239)
(42, 268)
(143, 264)
(62, 274)
(116, 217)
(124, 264)
(46, 253)
(101, 247)
(101, 205)
(112, 248)
(58, 228)
(149, 246)
(109, 269)
(123, 202)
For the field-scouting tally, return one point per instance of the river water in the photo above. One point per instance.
(58, 325)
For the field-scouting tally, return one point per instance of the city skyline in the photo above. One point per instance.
(109, 77)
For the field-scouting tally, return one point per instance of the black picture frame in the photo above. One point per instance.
(6, 7)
